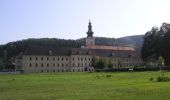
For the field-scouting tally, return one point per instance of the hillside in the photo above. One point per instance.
(12, 49)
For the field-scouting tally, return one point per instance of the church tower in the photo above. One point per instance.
(90, 40)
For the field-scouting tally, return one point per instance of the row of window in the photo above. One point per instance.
(62, 70)
(81, 64)
(42, 65)
(126, 60)
(47, 58)
(58, 65)
(125, 64)
(81, 59)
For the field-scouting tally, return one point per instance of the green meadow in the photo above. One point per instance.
(84, 86)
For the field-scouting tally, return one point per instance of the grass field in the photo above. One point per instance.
(84, 86)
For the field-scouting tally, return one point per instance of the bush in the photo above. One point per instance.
(163, 78)
(151, 79)
(108, 75)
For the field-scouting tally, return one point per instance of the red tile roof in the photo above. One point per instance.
(115, 48)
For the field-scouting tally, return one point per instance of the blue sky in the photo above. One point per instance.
(68, 19)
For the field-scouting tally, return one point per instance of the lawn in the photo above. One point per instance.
(84, 86)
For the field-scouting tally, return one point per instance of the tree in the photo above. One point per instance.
(156, 43)
(160, 62)
(110, 65)
(94, 62)
(100, 64)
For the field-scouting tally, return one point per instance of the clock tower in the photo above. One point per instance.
(90, 40)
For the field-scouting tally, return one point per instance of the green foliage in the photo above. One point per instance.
(163, 78)
(151, 79)
(156, 43)
(108, 75)
(161, 61)
(99, 63)
(110, 65)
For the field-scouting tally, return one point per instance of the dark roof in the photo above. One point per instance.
(46, 50)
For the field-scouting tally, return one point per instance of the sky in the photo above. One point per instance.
(68, 19)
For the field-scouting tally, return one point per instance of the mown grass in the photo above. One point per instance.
(84, 86)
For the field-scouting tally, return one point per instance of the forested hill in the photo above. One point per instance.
(14, 48)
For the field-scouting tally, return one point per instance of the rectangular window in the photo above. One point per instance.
(30, 65)
(58, 59)
(62, 59)
(85, 58)
(47, 58)
(36, 65)
(58, 65)
(53, 59)
(30, 58)
(42, 58)
(36, 58)
(73, 58)
(42, 65)
(47, 65)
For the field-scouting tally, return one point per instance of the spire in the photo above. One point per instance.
(89, 32)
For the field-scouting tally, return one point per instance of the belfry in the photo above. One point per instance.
(90, 40)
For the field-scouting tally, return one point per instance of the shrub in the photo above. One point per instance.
(108, 75)
(151, 79)
(97, 77)
(163, 78)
